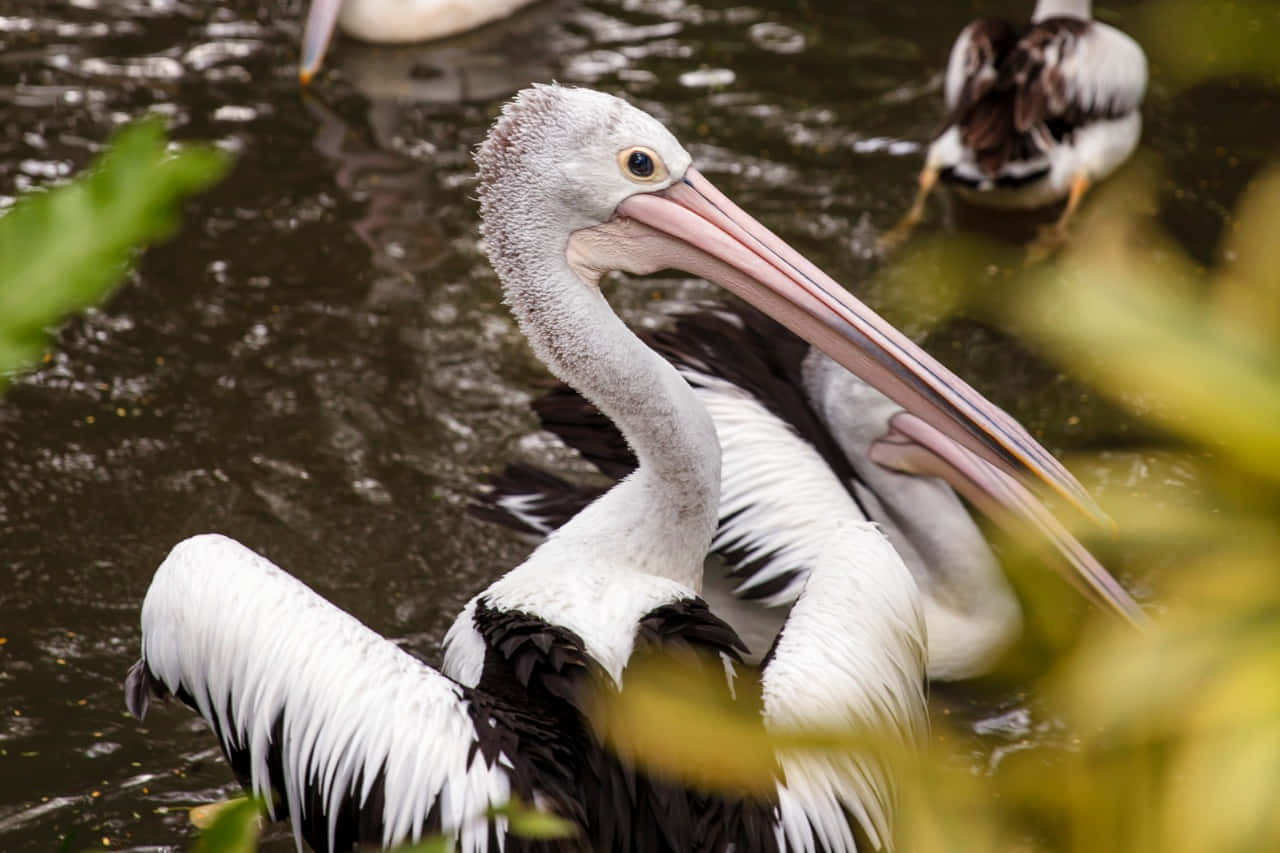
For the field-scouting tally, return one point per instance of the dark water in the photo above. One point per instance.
(319, 364)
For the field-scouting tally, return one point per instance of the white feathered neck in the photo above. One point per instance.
(540, 179)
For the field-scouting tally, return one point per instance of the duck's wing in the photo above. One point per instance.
(973, 68)
(1067, 73)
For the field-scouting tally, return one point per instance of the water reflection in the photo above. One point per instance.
(475, 67)
(319, 364)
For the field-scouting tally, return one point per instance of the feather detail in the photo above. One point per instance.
(348, 736)
(851, 656)
(780, 467)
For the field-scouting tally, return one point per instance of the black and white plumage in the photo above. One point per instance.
(802, 442)
(572, 184)
(1035, 112)
(357, 742)
(337, 729)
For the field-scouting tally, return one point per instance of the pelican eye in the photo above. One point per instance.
(642, 165)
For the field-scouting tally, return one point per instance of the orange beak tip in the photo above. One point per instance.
(305, 76)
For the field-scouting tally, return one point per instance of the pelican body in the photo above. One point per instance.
(357, 743)
(393, 22)
(1035, 113)
(804, 441)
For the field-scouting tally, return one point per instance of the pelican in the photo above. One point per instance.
(802, 441)
(393, 21)
(360, 744)
(357, 742)
(1035, 113)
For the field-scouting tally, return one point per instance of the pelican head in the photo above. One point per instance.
(573, 155)
(572, 178)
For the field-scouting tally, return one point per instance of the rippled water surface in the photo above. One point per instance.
(320, 366)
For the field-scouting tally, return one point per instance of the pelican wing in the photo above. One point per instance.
(851, 657)
(544, 631)
(338, 729)
(533, 501)
(780, 467)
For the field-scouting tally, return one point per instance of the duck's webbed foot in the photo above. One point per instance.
(1054, 237)
(893, 239)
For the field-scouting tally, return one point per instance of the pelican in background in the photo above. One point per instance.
(804, 441)
(354, 741)
(1035, 113)
(394, 22)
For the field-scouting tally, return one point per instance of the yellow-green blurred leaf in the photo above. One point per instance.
(234, 829)
(670, 720)
(63, 249)
(528, 822)
(1190, 40)
(203, 816)
(676, 722)
(1157, 354)
(1247, 291)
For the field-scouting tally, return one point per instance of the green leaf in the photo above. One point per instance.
(234, 830)
(1191, 39)
(1161, 354)
(64, 249)
(431, 845)
(528, 822)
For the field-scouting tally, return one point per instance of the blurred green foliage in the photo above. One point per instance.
(64, 249)
(528, 822)
(233, 826)
(1192, 39)
(1176, 730)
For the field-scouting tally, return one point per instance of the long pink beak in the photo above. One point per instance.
(913, 446)
(321, 18)
(716, 239)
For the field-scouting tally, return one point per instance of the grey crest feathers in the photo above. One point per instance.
(551, 156)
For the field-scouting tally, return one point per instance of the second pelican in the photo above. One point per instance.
(393, 21)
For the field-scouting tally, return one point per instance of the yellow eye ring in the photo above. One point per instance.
(641, 164)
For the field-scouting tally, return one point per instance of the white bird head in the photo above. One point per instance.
(575, 155)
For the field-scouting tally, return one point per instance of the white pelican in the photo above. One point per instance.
(361, 743)
(393, 21)
(356, 742)
(1035, 113)
(804, 441)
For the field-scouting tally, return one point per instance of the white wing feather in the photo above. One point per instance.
(249, 641)
(1104, 72)
(774, 486)
(851, 656)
